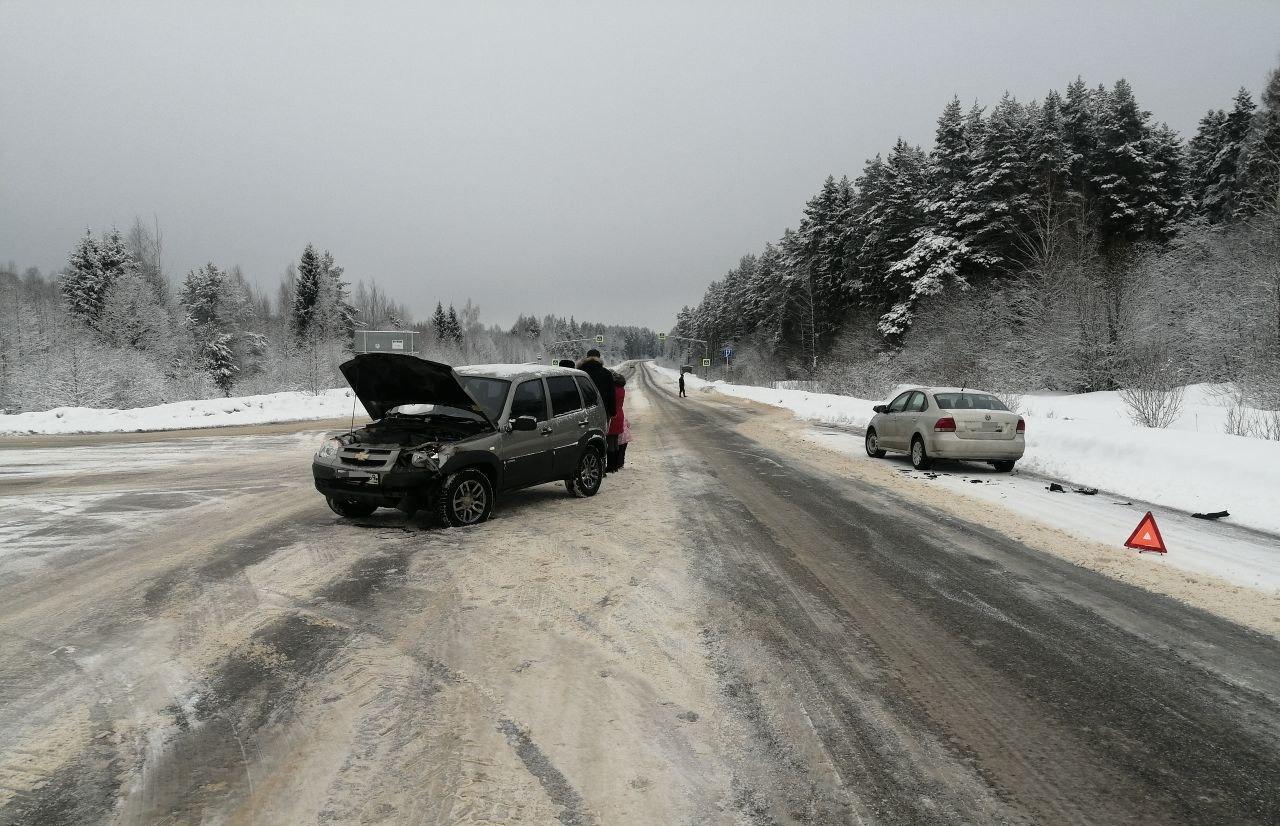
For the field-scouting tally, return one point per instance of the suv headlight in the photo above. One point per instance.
(432, 458)
(329, 447)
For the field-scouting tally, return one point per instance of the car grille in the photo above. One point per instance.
(368, 457)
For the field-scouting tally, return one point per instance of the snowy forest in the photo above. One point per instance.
(1071, 243)
(110, 330)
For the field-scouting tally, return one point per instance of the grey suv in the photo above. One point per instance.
(449, 440)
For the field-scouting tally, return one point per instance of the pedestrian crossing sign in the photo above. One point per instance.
(599, 339)
(706, 362)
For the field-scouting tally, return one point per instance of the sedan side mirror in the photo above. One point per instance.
(881, 408)
(524, 423)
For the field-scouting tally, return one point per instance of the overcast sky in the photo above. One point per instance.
(597, 159)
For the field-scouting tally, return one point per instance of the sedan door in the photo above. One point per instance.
(526, 454)
(568, 423)
(891, 434)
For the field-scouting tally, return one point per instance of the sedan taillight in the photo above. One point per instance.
(1022, 425)
(946, 424)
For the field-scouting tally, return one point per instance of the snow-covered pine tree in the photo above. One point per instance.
(453, 326)
(306, 292)
(1202, 152)
(81, 283)
(92, 268)
(1260, 160)
(333, 304)
(1080, 114)
(440, 323)
(219, 360)
(1219, 188)
(995, 214)
(887, 218)
(1130, 173)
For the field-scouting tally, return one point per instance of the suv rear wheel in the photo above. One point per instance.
(586, 481)
(466, 498)
(350, 508)
(1003, 466)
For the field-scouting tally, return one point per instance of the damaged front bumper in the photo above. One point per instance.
(408, 489)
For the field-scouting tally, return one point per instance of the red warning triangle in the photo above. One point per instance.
(1146, 537)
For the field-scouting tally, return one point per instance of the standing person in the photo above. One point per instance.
(623, 441)
(616, 425)
(682, 384)
(602, 378)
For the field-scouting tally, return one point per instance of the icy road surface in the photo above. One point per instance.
(730, 632)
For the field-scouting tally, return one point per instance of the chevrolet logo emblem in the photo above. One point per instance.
(364, 454)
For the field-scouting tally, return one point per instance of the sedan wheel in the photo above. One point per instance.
(919, 456)
(873, 444)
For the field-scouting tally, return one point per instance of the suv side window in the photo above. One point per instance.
(564, 395)
(588, 389)
(530, 399)
(899, 404)
(918, 403)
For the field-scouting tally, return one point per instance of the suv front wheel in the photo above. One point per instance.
(466, 498)
(586, 481)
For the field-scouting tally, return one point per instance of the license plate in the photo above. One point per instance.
(358, 476)
(991, 427)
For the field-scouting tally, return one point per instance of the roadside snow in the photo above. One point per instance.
(264, 409)
(1088, 440)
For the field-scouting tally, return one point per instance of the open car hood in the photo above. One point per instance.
(384, 380)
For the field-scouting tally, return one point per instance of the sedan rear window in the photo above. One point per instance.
(968, 401)
(564, 395)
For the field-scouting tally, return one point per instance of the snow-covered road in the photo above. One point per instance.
(745, 626)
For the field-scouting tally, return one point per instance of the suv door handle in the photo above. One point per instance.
(583, 423)
(546, 431)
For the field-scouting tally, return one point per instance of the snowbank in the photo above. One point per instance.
(271, 407)
(1088, 440)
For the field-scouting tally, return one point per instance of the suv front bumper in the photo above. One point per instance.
(403, 488)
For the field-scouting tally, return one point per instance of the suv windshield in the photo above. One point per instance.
(968, 401)
(489, 393)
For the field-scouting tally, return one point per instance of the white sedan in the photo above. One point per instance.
(947, 423)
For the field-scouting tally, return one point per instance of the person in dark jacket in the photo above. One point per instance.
(682, 384)
(602, 378)
(567, 363)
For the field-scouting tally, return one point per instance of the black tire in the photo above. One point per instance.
(1004, 465)
(588, 477)
(873, 444)
(350, 508)
(920, 455)
(466, 499)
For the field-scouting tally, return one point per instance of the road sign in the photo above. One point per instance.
(599, 339)
(385, 341)
(706, 362)
(1146, 537)
(727, 352)
(662, 336)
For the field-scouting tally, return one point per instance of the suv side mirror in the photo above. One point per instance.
(881, 408)
(524, 423)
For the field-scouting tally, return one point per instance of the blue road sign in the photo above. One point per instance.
(727, 352)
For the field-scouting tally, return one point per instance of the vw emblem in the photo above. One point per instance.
(987, 417)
